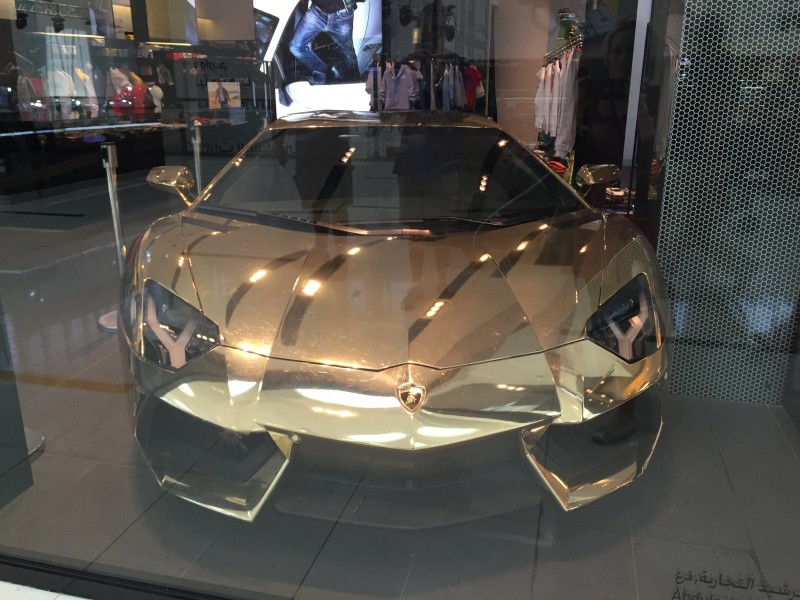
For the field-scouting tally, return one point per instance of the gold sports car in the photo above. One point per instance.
(411, 286)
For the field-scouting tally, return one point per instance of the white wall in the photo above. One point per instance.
(520, 29)
(524, 31)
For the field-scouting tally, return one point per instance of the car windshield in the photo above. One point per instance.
(360, 179)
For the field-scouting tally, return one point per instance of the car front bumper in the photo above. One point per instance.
(236, 472)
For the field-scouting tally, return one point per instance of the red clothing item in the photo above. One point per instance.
(132, 99)
(472, 78)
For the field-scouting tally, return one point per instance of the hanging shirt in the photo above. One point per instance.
(41, 93)
(555, 101)
(433, 88)
(25, 98)
(164, 76)
(565, 135)
(447, 89)
(472, 79)
(458, 88)
(88, 92)
(397, 88)
(548, 98)
(59, 83)
(540, 109)
(451, 86)
(118, 79)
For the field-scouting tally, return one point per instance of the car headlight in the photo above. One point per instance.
(627, 323)
(174, 332)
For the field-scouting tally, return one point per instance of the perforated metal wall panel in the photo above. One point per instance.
(730, 226)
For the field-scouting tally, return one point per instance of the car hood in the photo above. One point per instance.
(376, 301)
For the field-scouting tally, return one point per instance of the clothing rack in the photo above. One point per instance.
(553, 55)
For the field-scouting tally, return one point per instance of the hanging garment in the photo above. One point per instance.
(555, 101)
(433, 87)
(164, 76)
(565, 136)
(540, 109)
(132, 99)
(419, 89)
(447, 87)
(548, 97)
(472, 78)
(397, 88)
(88, 92)
(26, 96)
(415, 86)
(135, 79)
(461, 98)
(43, 106)
(99, 77)
(60, 83)
(61, 89)
(118, 80)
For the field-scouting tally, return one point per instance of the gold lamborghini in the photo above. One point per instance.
(413, 286)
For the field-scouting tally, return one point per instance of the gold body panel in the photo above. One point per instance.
(318, 333)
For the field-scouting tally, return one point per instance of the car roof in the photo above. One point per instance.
(337, 118)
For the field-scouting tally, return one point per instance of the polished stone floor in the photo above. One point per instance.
(716, 516)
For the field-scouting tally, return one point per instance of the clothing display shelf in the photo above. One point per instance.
(554, 55)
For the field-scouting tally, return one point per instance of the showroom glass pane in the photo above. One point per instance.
(399, 354)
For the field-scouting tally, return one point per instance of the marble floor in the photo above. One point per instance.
(716, 516)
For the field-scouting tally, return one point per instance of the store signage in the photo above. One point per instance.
(697, 584)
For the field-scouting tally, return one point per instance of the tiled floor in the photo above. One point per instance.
(716, 515)
(9, 591)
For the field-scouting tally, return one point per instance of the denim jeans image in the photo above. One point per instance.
(339, 26)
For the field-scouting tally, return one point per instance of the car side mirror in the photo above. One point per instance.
(178, 180)
(590, 176)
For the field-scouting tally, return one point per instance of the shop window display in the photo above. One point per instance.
(715, 512)
(88, 82)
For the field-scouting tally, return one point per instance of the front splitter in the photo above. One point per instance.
(236, 473)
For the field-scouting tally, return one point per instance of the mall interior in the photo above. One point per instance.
(693, 106)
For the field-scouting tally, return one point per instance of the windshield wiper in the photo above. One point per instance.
(311, 223)
(282, 218)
